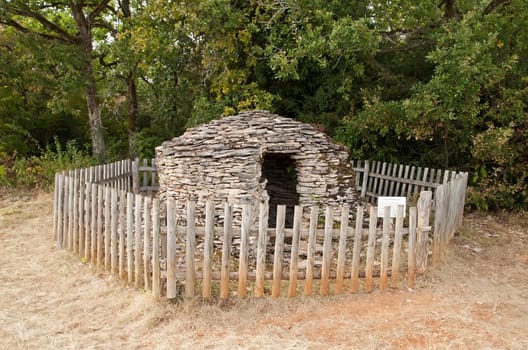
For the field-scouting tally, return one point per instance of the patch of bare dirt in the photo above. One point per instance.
(476, 299)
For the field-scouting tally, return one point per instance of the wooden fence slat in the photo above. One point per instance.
(446, 177)
(387, 223)
(341, 251)
(145, 179)
(95, 222)
(56, 207)
(100, 223)
(356, 251)
(365, 179)
(226, 251)
(261, 247)
(395, 272)
(404, 184)
(138, 267)
(424, 206)
(107, 226)
(244, 253)
(121, 233)
(156, 273)
(80, 221)
(135, 176)
(66, 213)
(397, 190)
(130, 236)
(278, 253)
(376, 188)
(410, 188)
(310, 255)
(60, 211)
(113, 237)
(439, 220)
(75, 212)
(190, 243)
(294, 261)
(208, 250)
(324, 288)
(411, 250)
(424, 179)
(371, 246)
(71, 210)
(439, 176)
(172, 291)
(381, 189)
(432, 176)
(147, 226)
(87, 221)
(390, 189)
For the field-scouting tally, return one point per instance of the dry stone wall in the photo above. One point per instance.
(222, 161)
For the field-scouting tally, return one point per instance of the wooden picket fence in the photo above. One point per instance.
(165, 251)
(375, 179)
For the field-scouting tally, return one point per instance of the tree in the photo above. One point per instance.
(69, 23)
(470, 112)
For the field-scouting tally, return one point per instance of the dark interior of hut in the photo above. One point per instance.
(278, 169)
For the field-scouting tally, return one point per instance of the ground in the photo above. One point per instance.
(476, 299)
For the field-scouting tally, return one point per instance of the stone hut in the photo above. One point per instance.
(255, 156)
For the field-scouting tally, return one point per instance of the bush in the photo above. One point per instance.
(39, 171)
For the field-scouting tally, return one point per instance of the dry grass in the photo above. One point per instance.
(478, 298)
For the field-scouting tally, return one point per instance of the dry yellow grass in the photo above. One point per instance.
(478, 298)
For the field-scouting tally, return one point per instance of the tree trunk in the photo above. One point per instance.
(92, 98)
(133, 106)
(133, 112)
(94, 115)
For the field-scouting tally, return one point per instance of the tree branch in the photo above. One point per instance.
(21, 28)
(97, 11)
(495, 4)
(64, 35)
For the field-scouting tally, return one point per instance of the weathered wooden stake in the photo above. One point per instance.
(279, 248)
(261, 248)
(244, 253)
(356, 251)
(172, 291)
(341, 255)
(226, 251)
(294, 261)
(324, 288)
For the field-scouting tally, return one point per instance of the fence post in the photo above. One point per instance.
(441, 201)
(156, 284)
(60, 210)
(135, 176)
(365, 179)
(190, 245)
(244, 254)
(261, 247)
(278, 253)
(424, 210)
(226, 253)
(324, 287)
(208, 249)
(171, 249)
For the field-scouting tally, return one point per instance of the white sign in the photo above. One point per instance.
(392, 202)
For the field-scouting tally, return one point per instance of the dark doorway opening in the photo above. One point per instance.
(279, 171)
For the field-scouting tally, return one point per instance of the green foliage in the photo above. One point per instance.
(39, 171)
(432, 83)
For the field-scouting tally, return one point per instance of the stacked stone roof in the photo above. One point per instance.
(221, 161)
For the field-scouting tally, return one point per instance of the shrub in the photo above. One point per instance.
(39, 171)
